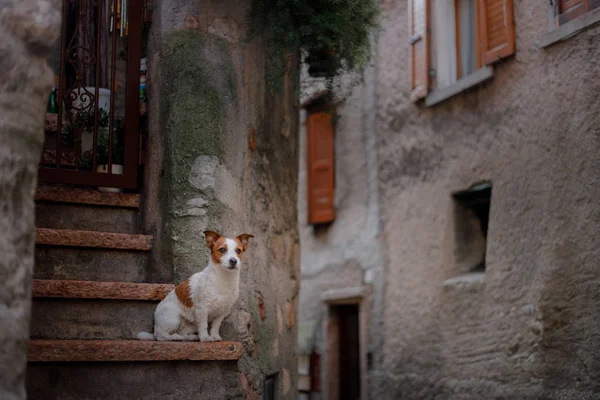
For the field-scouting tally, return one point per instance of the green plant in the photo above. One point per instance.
(118, 151)
(84, 121)
(80, 121)
(334, 36)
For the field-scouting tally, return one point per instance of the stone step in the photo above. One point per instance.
(148, 380)
(91, 310)
(56, 194)
(87, 218)
(80, 209)
(71, 319)
(91, 264)
(100, 290)
(98, 319)
(130, 350)
(92, 239)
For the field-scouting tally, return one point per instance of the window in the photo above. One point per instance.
(453, 39)
(471, 220)
(320, 164)
(582, 14)
(568, 10)
(454, 35)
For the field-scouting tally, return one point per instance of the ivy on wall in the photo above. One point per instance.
(333, 35)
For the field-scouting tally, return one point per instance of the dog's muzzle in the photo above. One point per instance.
(232, 263)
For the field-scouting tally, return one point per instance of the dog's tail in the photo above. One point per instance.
(145, 336)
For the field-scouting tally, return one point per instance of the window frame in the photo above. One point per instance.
(583, 7)
(490, 49)
(478, 39)
(557, 32)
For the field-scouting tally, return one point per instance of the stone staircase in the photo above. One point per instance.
(91, 297)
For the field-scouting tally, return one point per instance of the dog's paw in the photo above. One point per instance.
(216, 338)
(206, 338)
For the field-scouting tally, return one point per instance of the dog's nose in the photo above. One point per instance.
(232, 262)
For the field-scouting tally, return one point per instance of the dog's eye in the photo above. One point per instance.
(222, 249)
(238, 251)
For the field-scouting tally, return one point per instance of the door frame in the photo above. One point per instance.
(359, 296)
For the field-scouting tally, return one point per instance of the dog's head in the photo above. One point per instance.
(225, 252)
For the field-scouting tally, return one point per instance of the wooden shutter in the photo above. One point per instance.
(497, 35)
(321, 172)
(568, 10)
(419, 48)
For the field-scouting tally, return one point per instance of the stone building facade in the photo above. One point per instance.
(487, 210)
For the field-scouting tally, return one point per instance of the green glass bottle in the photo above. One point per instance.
(52, 102)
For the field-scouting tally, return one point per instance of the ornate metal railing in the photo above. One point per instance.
(92, 123)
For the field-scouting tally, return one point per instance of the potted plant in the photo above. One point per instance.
(118, 152)
(77, 135)
(84, 122)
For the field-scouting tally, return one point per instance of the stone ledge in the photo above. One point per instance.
(466, 83)
(85, 196)
(100, 290)
(569, 29)
(350, 295)
(470, 279)
(104, 240)
(130, 350)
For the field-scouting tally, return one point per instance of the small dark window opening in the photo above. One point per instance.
(270, 391)
(472, 214)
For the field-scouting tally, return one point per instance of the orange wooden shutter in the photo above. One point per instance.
(571, 9)
(419, 48)
(497, 34)
(321, 176)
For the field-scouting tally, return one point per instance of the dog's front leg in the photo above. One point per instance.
(215, 326)
(202, 320)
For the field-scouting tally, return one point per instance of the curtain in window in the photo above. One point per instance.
(468, 37)
(444, 42)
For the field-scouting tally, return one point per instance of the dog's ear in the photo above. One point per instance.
(243, 238)
(211, 238)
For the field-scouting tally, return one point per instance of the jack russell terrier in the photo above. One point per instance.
(206, 297)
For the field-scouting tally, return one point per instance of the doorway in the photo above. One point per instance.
(349, 352)
(344, 352)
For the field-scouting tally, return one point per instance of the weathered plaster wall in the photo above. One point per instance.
(28, 31)
(224, 157)
(346, 253)
(528, 328)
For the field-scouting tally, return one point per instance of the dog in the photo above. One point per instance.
(205, 298)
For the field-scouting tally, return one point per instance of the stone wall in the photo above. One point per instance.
(528, 327)
(28, 30)
(224, 157)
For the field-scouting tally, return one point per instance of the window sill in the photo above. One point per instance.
(470, 279)
(569, 29)
(474, 79)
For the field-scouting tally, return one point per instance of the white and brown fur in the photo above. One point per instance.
(205, 298)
